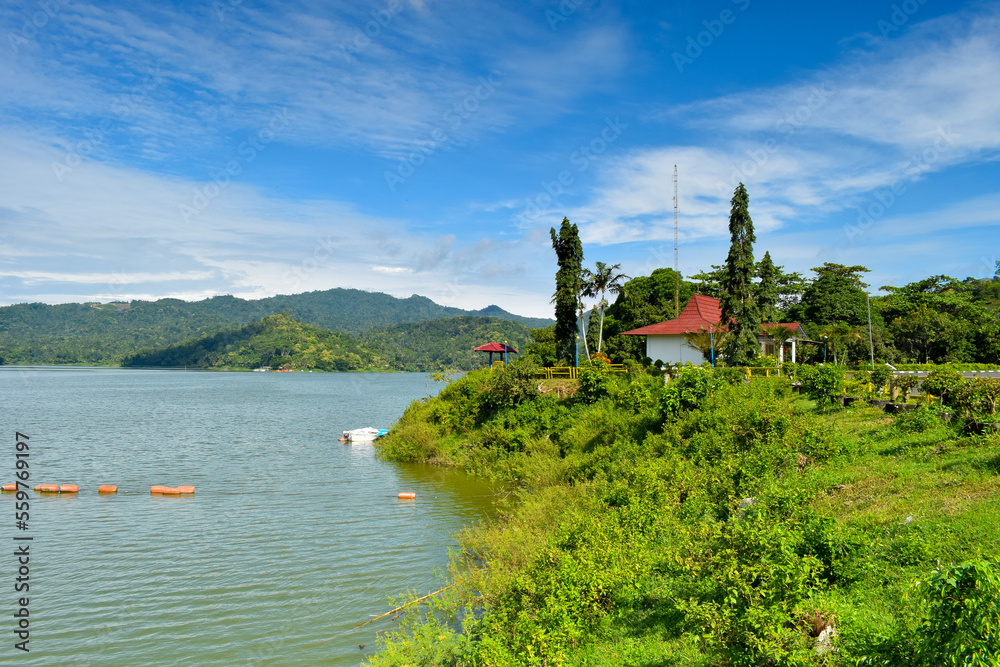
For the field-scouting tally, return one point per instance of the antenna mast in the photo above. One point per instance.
(677, 272)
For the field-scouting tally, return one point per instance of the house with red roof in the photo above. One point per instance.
(665, 340)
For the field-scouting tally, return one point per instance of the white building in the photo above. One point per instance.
(665, 341)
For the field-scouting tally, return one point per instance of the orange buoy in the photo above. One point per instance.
(107, 488)
(170, 491)
(158, 489)
(185, 489)
(7, 488)
(406, 495)
(69, 488)
(47, 488)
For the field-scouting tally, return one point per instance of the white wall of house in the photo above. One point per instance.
(673, 349)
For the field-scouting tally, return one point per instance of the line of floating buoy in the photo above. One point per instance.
(406, 495)
(172, 490)
(183, 489)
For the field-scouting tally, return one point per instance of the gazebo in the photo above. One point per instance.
(496, 347)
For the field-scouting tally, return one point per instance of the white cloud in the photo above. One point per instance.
(106, 229)
(895, 114)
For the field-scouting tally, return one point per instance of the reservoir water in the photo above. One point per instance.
(291, 540)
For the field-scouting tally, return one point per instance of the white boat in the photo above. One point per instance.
(364, 434)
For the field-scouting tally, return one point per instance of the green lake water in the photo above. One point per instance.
(291, 540)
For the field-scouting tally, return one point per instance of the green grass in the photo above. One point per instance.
(630, 539)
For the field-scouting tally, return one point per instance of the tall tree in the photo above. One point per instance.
(836, 295)
(569, 254)
(643, 300)
(738, 308)
(766, 291)
(709, 283)
(602, 280)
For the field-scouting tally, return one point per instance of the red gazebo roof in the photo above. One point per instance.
(495, 347)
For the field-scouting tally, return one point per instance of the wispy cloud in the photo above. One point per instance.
(891, 114)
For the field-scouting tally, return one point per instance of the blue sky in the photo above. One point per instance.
(244, 147)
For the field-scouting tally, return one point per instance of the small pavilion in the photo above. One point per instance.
(502, 348)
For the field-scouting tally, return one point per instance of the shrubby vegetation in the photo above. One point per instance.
(705, 521)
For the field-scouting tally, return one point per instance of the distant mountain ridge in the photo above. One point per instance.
(107, 333)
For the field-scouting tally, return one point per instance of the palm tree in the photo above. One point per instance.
(598, 283)
(583, 290)
(841, 333)
(779, 336)
(704, 341)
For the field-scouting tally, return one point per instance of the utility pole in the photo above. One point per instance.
(871, 345)
(677, 271)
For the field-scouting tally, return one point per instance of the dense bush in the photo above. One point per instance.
(822, 383)
(917, 421)
(700, 523)
(962, 625)
(944, 383)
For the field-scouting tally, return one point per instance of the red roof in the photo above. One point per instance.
(495, 347)
(792, 326)
(701, 312)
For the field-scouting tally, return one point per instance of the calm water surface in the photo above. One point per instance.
(291, 540)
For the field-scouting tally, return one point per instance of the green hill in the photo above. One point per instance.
(276, 341)
(444, 344)
(106, 333)
(279, 340)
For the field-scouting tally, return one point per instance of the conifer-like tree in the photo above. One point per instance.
(569, 254)
(738, 308)
(766, 295)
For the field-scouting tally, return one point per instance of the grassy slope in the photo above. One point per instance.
(627, 546)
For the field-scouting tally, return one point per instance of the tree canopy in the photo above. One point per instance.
(737, 302)
(569, 287)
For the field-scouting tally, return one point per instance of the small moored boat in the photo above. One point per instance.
(364, 434)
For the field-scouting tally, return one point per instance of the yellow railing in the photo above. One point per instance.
(763, 371)
(571, 372)
(550, 372)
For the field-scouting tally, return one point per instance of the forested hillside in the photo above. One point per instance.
(106, 333)
(444, 344)
(279, 341)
